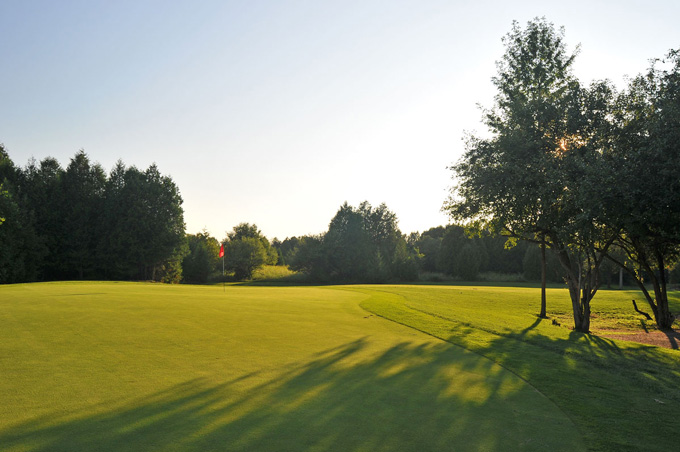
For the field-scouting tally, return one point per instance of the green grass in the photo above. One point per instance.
(621, 395)
(125, 366)
(277, 273)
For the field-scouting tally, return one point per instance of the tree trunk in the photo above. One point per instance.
(582, 287)
(664, 319)
(573, 283)
(543, 277)
(580, 305)
(620, 279)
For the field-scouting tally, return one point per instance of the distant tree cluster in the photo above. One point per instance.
(452, 251)
(79, 223)
(350, 252)
(202, 259)
(586, 171)
(362, 244)
(246, 249)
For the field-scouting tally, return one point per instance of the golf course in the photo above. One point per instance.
(140, 366)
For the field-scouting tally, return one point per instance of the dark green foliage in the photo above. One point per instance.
(362, 244)
(19, 244)
(246, 250)
(144, 229)
(531, 264)
(77, 223)
(428, 245)
(307, 256)
(14, 238)
(350, 254)
(538, 177)
(404, 263)
(170, 270)
(42, 188)
(453, 261)
(439, 250)
(276, 249)
(246, 230)
(82, 189)
(244, 256)
(203, 258)
(645, 201)
(286, 249)
(470, 259)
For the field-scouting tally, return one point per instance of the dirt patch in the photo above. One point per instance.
(667, 339)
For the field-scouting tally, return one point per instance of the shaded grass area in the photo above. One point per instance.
(621, 395)
(121, 366)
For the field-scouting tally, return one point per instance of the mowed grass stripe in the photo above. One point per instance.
(124, 366)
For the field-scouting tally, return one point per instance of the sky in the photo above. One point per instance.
(277, 112)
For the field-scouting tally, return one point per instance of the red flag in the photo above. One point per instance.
(222, 250)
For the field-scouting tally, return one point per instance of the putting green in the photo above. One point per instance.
(125, 366)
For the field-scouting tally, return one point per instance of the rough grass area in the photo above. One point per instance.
(277, 273)
(623, 396)
(124, 366)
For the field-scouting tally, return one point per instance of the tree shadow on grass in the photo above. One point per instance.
(621, 398)
(673, 337)
(410, 397)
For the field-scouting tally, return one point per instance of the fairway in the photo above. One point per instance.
(133, 366)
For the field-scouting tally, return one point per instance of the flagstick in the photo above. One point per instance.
(224, 285)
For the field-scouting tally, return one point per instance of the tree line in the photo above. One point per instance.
(80, 223)
(588, 172)
(364, 244)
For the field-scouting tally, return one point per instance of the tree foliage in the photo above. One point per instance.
(646, 196)
(362, 244)
(588, 172)
(202, 260)
(246, 250)
(78, 223)
(529, 180)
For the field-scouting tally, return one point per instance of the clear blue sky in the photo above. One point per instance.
(276, 112)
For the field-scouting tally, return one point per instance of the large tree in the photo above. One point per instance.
(646, 197)
(142, 225)
(118, 229)
(77, 223)
(163, 221)
(247, 249)
(19, 258)
(42, 187)
(350, 254)
(202, 260)
(361, 244)
(82, 189)
(523, 180)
